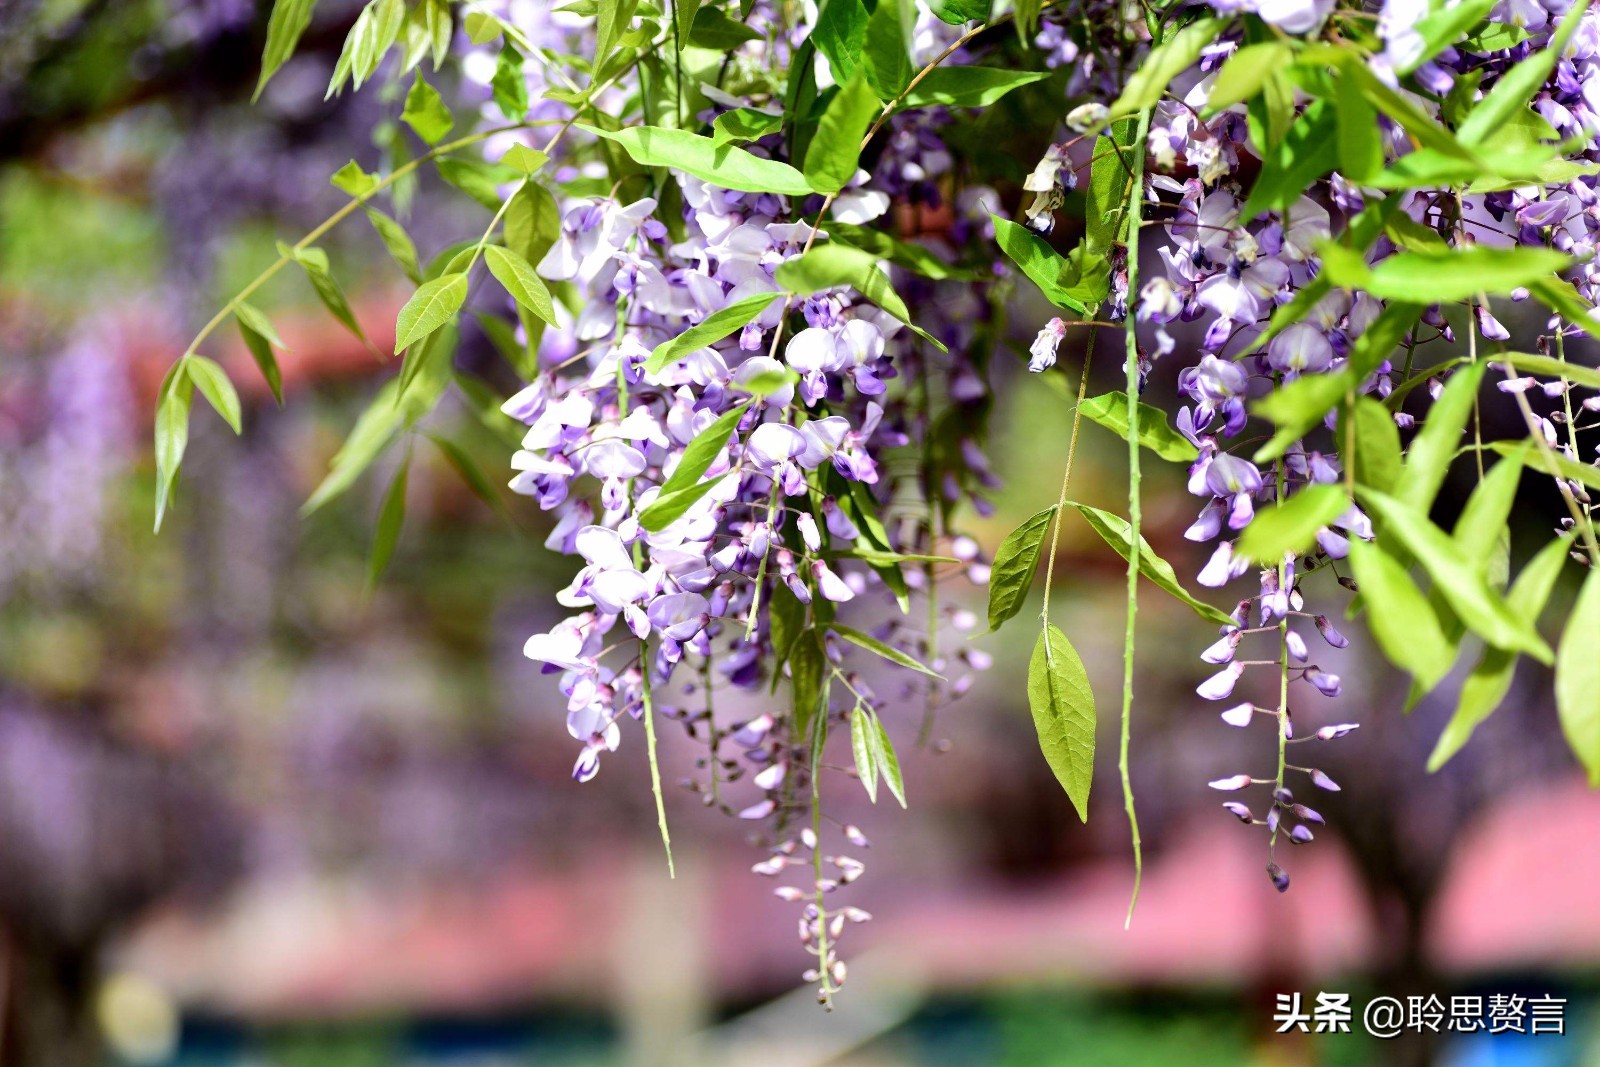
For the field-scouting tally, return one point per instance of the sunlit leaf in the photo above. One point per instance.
(1062, 703)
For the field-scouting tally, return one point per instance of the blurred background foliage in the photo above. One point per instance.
(254, 812)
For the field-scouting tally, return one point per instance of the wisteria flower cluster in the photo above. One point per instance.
(751, 262)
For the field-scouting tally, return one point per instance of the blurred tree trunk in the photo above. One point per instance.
(48, 1009)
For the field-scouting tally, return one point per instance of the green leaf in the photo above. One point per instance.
(1562, 297)
(372, 432)
(744, 124)
(715, 327)
(1298, 406)
(1428, 459)
(469, 471)
(1376, 456)
(1292, 525)
(252, 319)
(481, 181)
(884, 58)
(1360, 149)
(261, 351)
(532, 222)
(351, 179)
(172, 434)
(831, 265)
(1444, 28)
(1549, 367)
(888, 762)
(429, 308)
(520, 281)
(1454, 274)
(1309, 150)
(1458, 578)
(314, 261)
(425, 112)
(835, 152)
(289, 20)
(808, 666)
(958, 12)
(1516, 88)
(212, 381)
(398, 242)
(1111, 411)
(612, 20)
(913, 257)
(1578, 678)
(968, 86)
(1015, 562)
(509, 86)
(1114, 530)
(1406, 627)
(524, 160)
(1107, 196)
(391, 516)
(1243, 75)
(861, 747)
(1490, 680)
(1062, 703)
(1165, 62)
(1057, 276)
(839, 32)
(888, 652)
(481, 27)
(684, 488)
(1548, 462)
(715, 30)
(721, 164)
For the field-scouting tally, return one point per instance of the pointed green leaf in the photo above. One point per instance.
(715, 327)
(520, 281)
(888, 762)
(261, 351)
(1114, 530)
(888, 652)
(1428, 458)
(1111, 411)
(1376, 455)
(425, 112)
(832, 265)
(172, 434)
(861, 747)
(1165, 62)
(1292, 525)
(968, 86)
(398, 242)
(884, 58)
(212, 381)
(289, 20)
(832, 158)
(1490, 680)
(1578, 678)
(429, 308)
(721, 164)
(1458, 578)
(1063, 714)
(1398, 614)
(1015, 562)
(391, 516)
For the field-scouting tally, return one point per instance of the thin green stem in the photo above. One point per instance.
(1066, 479)
(650, 746)
(1131, 388)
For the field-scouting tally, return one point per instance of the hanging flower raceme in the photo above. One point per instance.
(760, 305)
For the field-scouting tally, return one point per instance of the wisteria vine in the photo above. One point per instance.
(755, 264)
